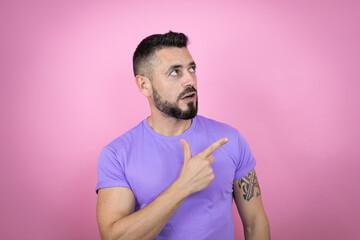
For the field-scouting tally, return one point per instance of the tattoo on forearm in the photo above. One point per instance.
(250, 186)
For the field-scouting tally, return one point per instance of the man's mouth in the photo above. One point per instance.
(189, 95)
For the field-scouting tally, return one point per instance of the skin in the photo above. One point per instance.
(247, 196)
(169, 86)
(116, 214)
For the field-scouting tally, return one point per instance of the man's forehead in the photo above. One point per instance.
(174, 55)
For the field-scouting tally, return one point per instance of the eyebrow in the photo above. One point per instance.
(176, 66)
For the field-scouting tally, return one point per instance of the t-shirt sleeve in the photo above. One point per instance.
(110, 172)
(246, 160)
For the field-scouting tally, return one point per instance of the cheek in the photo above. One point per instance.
(170, 90)
(169, 95)
(173, 93)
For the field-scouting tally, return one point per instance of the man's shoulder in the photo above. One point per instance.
(211, 124)
(127, 138)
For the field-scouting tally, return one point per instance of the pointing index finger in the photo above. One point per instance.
(213, 147)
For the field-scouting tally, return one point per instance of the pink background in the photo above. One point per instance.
(285, 73)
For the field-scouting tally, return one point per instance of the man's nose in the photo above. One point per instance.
(189, 79)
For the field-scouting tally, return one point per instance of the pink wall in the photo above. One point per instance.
(285, 73)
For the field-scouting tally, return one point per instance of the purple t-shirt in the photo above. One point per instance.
(148, 163)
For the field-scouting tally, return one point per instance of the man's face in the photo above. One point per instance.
(174, 83)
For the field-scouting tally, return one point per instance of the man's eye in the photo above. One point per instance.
(174, 73)
(192, 69)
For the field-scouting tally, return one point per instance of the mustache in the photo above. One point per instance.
(186, 91)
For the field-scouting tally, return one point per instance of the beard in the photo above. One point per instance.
(172, 109)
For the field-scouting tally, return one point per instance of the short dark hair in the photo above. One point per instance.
(147, 48)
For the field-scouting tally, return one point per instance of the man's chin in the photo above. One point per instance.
(188, 114)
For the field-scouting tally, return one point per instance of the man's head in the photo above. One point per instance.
(165, 74)
(144, 55)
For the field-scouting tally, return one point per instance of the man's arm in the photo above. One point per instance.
(247, 196)
(117, 219)
(115, 206)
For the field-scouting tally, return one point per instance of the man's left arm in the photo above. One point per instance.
(247, 197)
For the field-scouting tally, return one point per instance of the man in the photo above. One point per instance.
(175, 174)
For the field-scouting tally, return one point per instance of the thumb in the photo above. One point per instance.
(186, 149)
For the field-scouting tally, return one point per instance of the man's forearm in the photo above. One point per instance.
(148, 222)
(259, 230)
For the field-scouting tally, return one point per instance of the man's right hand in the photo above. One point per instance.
(197, 173)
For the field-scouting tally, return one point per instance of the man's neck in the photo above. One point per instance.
(168, 126)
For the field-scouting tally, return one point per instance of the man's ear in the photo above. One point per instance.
(144, 85)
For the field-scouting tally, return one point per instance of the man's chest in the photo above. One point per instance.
(151, 171)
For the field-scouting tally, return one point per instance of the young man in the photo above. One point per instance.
(174, 175)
